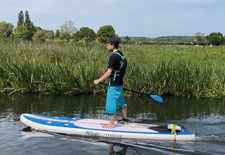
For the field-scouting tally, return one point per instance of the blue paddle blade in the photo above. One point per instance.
(157, 98)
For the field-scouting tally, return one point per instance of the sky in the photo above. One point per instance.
(134, 18)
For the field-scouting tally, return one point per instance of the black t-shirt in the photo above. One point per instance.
(115, 61)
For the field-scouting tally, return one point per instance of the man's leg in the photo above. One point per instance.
(110, 107)
(111, 124)
(124, 112)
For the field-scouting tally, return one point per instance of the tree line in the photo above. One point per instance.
(26, 30)
(214, 38)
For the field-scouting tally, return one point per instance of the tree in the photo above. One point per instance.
(200, 38)
(65, 36)
(49, 34)
(43, 35)
(28, 24)
(37, 28)
(105, 32)
(21, 32)
(57, 33)
(126, 39)
(215, 38)
(84, 34)
(68, 27)
(39, 36)
(224, 40)
(6, 29)
(20, 19)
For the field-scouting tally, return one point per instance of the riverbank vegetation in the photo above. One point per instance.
(70, 68)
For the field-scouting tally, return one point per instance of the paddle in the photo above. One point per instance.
(154, 97)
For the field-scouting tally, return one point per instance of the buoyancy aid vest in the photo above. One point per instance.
(118, 73)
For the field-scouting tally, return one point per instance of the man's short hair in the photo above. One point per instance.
(114, 41)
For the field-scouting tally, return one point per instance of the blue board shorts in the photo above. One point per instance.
(115, 99)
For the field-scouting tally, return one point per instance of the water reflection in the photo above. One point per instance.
(122, 151)
(139, 108)
(206, 117)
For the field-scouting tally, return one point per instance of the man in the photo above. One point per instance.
(115, 71)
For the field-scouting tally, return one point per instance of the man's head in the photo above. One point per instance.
(113, 43)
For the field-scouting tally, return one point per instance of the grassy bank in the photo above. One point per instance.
(69, 68)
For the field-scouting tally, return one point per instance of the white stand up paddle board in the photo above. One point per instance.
(93, 127)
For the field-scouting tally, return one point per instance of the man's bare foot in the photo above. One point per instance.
(110, 126)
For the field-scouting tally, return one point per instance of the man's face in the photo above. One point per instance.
(110, 47)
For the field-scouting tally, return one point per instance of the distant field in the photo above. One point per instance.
(70, 68)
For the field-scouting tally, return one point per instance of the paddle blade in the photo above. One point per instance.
(157, 98)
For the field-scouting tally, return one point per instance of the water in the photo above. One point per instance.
(206, 117)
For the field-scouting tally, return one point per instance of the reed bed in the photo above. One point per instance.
(70, 68)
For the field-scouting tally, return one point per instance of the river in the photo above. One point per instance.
(206, 117)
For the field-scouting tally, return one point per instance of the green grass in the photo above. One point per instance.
(70, 68)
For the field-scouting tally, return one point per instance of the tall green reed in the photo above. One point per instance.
(70, 68)
(180, 71)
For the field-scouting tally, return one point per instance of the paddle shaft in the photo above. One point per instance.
(133, 91)
(154, 97)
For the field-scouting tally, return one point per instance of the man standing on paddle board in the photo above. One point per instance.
(115, 71)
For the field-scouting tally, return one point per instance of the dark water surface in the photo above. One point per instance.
(206, 117)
